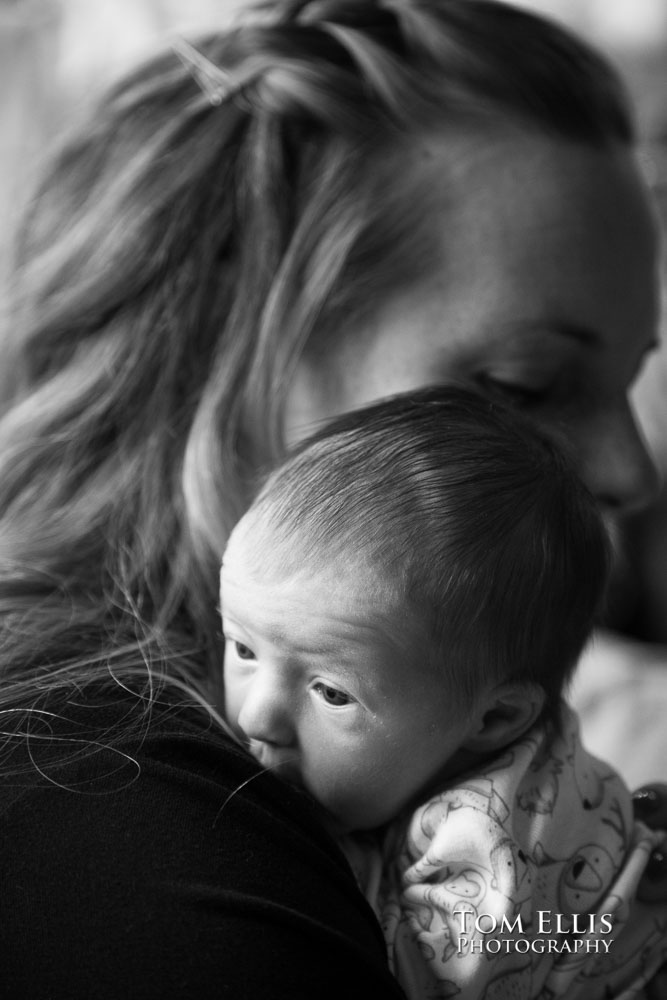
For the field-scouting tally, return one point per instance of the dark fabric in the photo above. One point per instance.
(152, 880)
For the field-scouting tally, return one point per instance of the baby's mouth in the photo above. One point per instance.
(282, 762)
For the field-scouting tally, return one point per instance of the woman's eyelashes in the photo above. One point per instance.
(332, 696)
(516, 392)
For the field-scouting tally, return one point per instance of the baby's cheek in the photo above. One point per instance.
(342, 790)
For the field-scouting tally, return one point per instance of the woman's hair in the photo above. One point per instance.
(173, 265)
(454, 513)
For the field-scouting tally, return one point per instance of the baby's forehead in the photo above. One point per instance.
(342, 586)
(262, 547)
(245, 546)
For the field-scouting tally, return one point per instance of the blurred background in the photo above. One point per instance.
(55, 53)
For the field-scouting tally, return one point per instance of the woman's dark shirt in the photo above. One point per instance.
(179, 870)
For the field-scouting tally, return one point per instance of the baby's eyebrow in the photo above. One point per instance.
(234, 620)
(347, 638)
(331, 650)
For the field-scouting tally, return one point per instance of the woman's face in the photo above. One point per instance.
(543, 291)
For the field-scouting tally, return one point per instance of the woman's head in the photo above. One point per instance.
(541, 290)
(191, 270)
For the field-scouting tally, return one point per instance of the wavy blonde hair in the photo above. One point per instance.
(177, 259)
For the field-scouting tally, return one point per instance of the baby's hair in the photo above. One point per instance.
(473, 520)
(177, 261)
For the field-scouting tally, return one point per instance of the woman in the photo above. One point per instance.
(336, 201)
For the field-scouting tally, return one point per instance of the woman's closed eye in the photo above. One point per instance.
(517, 393)
(332, 696)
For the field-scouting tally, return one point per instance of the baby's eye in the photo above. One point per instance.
(244, 652)
(331, 695)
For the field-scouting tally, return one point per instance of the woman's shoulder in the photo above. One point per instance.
(114, 762)
(102, 743)
(176, 865)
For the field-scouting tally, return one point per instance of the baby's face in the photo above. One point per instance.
(332, 693)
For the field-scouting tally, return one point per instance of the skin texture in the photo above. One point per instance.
(331, 694)
(329, 699)
(544, 293)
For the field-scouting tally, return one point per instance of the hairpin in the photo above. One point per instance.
(213, 81)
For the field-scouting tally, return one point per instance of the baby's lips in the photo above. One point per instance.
(283, 763)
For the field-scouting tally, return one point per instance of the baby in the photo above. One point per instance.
(403, 606)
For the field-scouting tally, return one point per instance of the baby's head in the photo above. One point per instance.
(409, 592)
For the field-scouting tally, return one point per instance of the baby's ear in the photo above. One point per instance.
(505, 714)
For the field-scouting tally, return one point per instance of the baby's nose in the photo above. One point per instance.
(266, 714)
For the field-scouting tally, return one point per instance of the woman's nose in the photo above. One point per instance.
(266, 713)
(617, 465)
